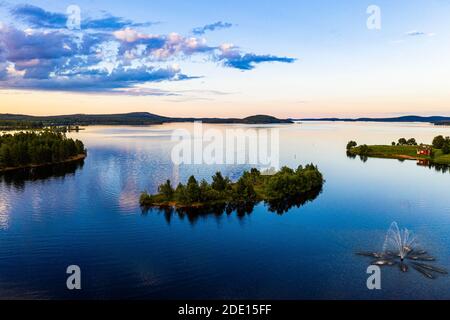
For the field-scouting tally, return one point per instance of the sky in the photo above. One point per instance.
(230, 58)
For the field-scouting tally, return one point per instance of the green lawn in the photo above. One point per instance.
(389, 151)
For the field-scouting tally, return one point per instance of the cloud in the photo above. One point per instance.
(53, 61)
(119, 81)
(415, 33)
(3, 71)
(108, 55)
(211, 27)
(37, 17)
(110, 22)
(231, 57)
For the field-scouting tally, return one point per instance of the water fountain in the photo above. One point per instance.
(400, 246)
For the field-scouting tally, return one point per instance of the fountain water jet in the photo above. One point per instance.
(398, 241)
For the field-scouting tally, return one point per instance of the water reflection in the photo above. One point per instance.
(18, 178)
(4, 213)
(444, 168)
(353, 156)
(284, 205)
(242, 209)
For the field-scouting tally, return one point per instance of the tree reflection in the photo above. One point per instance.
(443, 168)
(363, 158)
(18, 178)
(284, 205)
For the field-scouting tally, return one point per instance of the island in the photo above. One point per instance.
(35, 149)
(285, 186)
(406, 149)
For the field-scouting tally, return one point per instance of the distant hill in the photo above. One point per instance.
(134, 118)
(85, 119)
(258, 119)
(261, 119)
(432, 119)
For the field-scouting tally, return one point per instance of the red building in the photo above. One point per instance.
(424, 151)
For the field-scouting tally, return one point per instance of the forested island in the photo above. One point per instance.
(38, 148)
(436, 153)
(286, 187)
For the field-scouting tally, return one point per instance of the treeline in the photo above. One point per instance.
(251, 187)
(404, 142)
(12, 125)
(34, 148)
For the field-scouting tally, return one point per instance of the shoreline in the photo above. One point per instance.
(76, 158)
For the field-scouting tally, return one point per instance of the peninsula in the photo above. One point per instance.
(436, 153)
(35, 149)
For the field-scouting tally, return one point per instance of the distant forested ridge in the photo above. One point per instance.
(432, 119)
(135, 118)
(28, 149)
(145, 118)
(6, 125)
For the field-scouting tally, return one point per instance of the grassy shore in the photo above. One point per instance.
(400, 152)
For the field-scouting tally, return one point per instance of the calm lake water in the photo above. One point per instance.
(89, 215)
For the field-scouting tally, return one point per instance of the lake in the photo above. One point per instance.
(88, 215)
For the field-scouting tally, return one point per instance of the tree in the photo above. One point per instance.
(166, 190)
(5, 155)
(402, 142)
(219, 182)
(180, 194)
(446, 146)
(192, 190)
(393, 143)
(438, 142)
(207, 193)
(244, 190)
(364, 150)
(351, 144)
(411, 142)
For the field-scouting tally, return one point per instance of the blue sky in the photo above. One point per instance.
(233, 58)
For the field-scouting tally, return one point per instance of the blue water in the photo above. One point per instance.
(89, 216)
